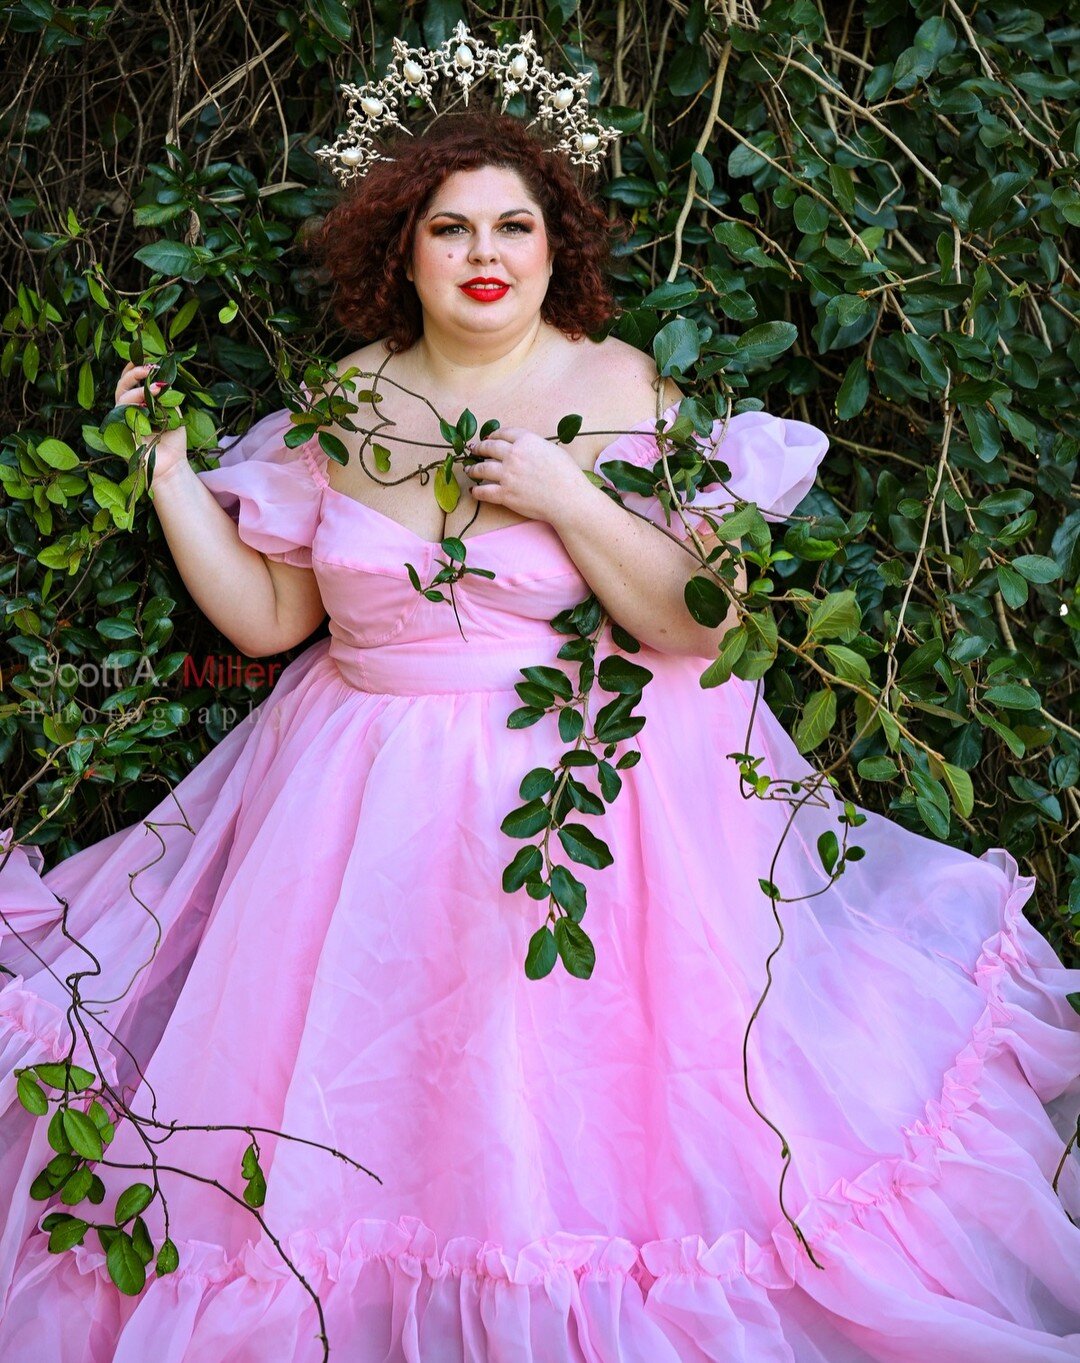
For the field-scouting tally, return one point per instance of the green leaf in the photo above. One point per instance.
(1036, 568)
(568, 428)
(183, 318)
(765, 341)
(1011, 696)
(167, 257)
(828, 848)
(527, 820)
(762, 639)
(675, 293)
(526, 863)
(847, 664)
(31, 1094)
(843, 186)
(77, 1186)
(57, 454)
(126, 1269)
(816, 721)
(381, 456)
(85, 393)
(132, 1201)
(66, 1077)
(575, 948)
(140, 1238)
(249, 1162)
(255, 1191)
(705, 601)
(583, 846)
(333, 445)
(554, 678)
(57, 1139)
(983, 430)
(689, 70)
(703, 170)
(447, 491)
(811, 215)
(168, 1259)
(542, 954)
(568, 892)
(960, 789)
(745, 523)
(880, 768)
(619, 674)
(66, 1233)
(837, 617)
(1013, 587)
(83, 1134)
(853, 393)
(719, 671)
(676, 346)
(931, 362)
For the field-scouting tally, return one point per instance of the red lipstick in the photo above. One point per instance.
(485, 290)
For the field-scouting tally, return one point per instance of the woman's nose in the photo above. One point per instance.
(484, 246)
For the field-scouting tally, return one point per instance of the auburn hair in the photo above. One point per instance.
(365, 242)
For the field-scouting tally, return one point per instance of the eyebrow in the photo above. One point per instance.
(460, 217)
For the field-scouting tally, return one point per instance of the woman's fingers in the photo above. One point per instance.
(130, 387)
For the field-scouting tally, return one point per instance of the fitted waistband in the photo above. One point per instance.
(434, 667)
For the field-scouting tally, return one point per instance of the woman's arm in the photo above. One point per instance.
(261, 606)
(638, 572)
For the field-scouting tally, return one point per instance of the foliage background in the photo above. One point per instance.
(897, 181)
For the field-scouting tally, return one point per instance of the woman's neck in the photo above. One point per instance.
(482, 365)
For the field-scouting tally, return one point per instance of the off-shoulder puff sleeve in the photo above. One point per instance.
(773, 462)
(271, 491)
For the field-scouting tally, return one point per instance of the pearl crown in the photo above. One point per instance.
(562, 100)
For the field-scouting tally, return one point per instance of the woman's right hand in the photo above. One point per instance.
(170, 446)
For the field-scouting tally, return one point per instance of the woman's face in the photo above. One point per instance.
(481, 225)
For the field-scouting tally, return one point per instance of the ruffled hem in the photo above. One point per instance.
(1024, 1020)
(915, 1261)
(34, 1031)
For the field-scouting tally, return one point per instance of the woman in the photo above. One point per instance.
(321, 943)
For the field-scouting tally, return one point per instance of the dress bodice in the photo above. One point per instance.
(386, 634)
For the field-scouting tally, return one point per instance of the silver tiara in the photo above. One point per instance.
(562, 100)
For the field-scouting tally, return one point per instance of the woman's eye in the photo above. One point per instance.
(454, 226)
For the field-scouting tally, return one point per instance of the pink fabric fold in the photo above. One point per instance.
(270, 490)
(26, 904)
(773, 462)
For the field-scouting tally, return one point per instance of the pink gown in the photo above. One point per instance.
(568, 1170)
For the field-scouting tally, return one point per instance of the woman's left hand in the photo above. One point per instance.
(521, 470)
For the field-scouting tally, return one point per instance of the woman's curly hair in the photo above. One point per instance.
(365, 241)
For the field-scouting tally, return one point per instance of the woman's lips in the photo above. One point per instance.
(485, 293)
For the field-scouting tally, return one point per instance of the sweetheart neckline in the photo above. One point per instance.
(648, 423)
(422, 539)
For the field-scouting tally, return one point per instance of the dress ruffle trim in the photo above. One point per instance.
(1043, 1042)
(773, 462)
(26, 902)
(272, 491)
(663, 1294)
(34, 1031)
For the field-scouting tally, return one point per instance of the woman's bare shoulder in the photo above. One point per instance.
(367, 358)
(628, 378)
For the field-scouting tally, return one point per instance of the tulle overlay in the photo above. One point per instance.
(317, 942)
